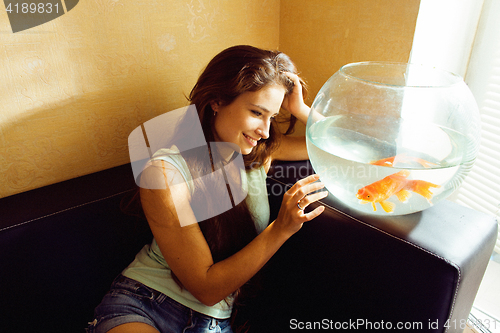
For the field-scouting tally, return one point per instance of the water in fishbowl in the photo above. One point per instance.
(397, 168)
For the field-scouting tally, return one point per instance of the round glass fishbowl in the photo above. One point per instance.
(392, 138)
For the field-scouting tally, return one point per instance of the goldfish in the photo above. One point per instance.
(396, 184)
(402, 158)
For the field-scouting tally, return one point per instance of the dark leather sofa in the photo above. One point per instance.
(62, 245)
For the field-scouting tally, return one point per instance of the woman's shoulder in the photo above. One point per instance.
(166, 167)
(171, 155)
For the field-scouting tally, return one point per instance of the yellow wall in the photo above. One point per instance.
(73, 89)
(323, 35)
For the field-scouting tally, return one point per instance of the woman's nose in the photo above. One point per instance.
(263, 130)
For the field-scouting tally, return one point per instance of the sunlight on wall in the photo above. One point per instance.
(74, 88)
(445, 33)
(325, 35)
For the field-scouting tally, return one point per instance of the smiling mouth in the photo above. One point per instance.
(250, 139)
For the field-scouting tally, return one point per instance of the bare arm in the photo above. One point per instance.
(293, 148)
(186, 250)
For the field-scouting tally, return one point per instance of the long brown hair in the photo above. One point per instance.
(230, 73)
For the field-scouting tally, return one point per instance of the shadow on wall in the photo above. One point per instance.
(70, 138)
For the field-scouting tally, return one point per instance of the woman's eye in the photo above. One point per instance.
(257, 113)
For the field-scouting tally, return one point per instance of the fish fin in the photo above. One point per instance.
(402, 173)
(399, 158)
(426, 164)
(403, 195)
(423, 188)
(388, 162)
(402, 158)
(387, 206)
(374, 207)
(405, 158)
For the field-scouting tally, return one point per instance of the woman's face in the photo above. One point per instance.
(248, 118)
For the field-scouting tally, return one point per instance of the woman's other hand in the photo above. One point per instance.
(294, 102)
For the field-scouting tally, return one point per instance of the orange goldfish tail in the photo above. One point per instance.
(427, 164)
(423, 188)
(388, 162)
(400, 175)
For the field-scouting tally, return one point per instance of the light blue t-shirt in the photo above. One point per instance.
(150, 267)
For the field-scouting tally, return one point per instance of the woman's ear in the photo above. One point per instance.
(215, 106)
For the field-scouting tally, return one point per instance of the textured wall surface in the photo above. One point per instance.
(323, 35)
(74, 88)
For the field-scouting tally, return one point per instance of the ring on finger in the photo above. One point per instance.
(298, 205)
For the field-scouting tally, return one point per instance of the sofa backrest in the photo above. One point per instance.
(61, 246)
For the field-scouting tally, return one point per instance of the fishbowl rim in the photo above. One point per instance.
(458, 78)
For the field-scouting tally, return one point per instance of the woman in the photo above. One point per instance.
(198, 266)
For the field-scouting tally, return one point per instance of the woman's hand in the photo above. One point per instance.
(294, 102)
(291, 215)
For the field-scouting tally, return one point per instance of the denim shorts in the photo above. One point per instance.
(130, 301)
